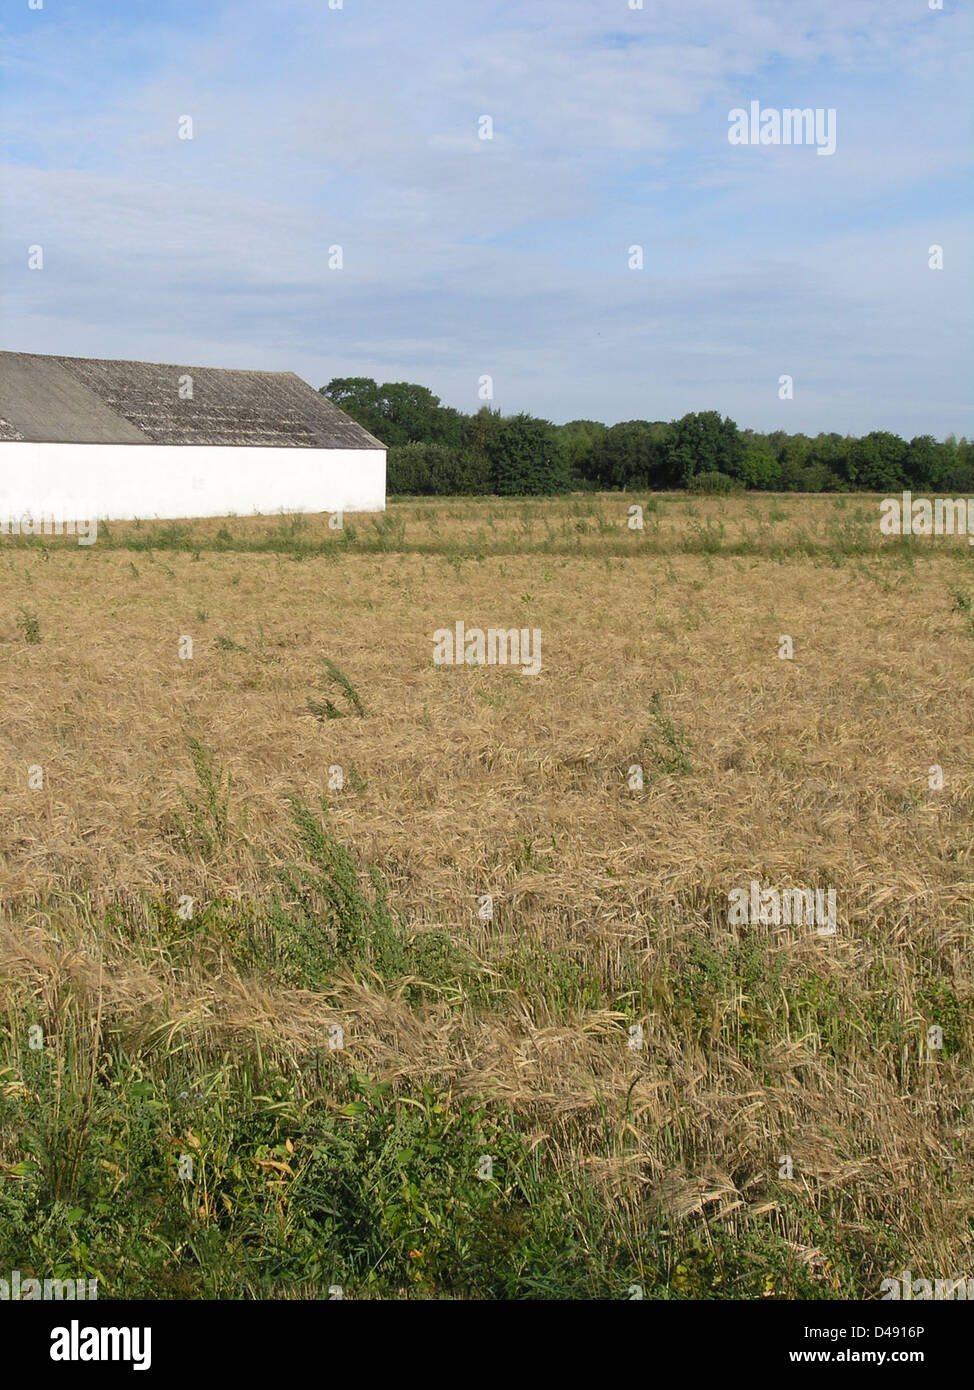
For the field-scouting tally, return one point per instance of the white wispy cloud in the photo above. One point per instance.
(359, 127)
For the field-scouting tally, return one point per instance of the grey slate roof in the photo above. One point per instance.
(81, 400)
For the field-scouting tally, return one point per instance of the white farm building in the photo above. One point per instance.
(93, 439)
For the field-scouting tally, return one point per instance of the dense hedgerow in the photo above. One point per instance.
(434, 450)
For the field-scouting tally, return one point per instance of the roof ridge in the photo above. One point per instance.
(141, 362)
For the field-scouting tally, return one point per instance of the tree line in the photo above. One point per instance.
(436, 450)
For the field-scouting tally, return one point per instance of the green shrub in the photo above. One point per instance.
(760, 470)
(526, 458)
(712, 482)
(434, 470)
(29, 625)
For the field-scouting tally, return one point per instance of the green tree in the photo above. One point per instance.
(704, 443)
(760, 468)
(923, 460)
(579, 439)
(955, 465)
(828, 462)
(359, 397)
(448, 427)
(478, 431)
(526, 457)
(793, 461)
(397, 412)
(877, 462)
(411, 413)
(634, 454)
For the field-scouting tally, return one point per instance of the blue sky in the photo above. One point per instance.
(509, 257)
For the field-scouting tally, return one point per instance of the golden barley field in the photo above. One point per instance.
(209, 948)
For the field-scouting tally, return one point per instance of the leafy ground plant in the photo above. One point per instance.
(667, 745)
(208, 827)
(327, 709)
(29, 624)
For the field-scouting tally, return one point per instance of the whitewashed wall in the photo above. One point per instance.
(123, 481)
